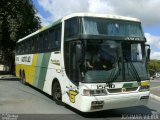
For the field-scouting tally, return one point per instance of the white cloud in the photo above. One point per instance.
(147, 11)
(155, 55)
(100, 6)
(45, 21)
(154, 42)
(60, 8)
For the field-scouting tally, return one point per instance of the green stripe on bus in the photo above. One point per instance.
(41, 69)
(37, 71)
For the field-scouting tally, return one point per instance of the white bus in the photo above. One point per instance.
(91, 62)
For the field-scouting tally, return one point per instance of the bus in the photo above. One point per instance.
(91, 62)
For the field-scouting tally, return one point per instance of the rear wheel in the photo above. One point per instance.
(56, 92)
(23, 78)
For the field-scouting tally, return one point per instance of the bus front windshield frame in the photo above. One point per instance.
(114, 61)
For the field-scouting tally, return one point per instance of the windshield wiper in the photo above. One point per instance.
(134, 71)
(114, 76)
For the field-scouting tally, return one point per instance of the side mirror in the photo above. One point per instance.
(148, 51)
(78, 52)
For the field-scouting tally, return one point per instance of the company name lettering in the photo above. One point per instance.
(26, 59)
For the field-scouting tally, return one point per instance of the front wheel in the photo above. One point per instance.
(56, 92)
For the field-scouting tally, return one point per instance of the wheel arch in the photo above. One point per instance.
(53, 81)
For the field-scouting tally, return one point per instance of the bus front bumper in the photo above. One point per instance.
(97, 103)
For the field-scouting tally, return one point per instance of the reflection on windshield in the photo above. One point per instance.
(134, 63)
(99, 26)
(132, 52)
(101, 56)
(101, 60)
(110, 61)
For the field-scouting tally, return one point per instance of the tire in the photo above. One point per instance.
(56, 92)
(23, 78)
(20, 75)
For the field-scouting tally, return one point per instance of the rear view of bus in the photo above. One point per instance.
(106, 62)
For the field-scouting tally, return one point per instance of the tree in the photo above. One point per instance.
(154, 66)
(17, 19)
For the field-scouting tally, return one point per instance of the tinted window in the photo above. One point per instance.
(58, 37)
(35, 39)
(45, 41)
(99, 26)
(32, 45)
(40, 43)
(55, 38)
(51, 39)
(71, 27)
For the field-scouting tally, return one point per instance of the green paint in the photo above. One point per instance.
(38, 66)
(127, 85)
(135, 85)
(36, 77)
(41, 69)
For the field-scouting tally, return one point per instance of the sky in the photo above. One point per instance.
(146, 10)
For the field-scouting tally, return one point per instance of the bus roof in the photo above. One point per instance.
(109, 16)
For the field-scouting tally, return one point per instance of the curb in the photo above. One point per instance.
(8, 78)
(155, 97)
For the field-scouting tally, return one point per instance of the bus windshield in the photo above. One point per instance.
(106, 53)
(100, 26)
(110, 61)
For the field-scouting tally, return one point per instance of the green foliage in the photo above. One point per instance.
(154, 66)
(17, 19)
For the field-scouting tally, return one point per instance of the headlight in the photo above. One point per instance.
(145, 86)
(99, 92)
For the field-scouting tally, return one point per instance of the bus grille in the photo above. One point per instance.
(119, 90)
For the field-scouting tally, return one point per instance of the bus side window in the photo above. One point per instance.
(35, 44)
(40, 43)
(51, 39)
(71, 27)
(32, 45)
(58, 37)
(27, 47)
(45, 41)
(22, 45)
